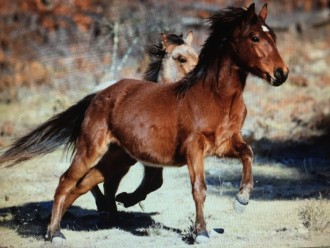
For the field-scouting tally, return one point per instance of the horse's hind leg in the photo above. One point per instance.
(114, 166)
(152, 180)
(106, 202)
(92, 178)
(90, 147)
(100, 199)
(245, 153)
(110, 189)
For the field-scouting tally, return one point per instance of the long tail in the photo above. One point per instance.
(61, 129)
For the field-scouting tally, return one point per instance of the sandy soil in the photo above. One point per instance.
(166, 217)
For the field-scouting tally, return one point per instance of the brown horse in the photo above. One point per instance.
(170, 60)
(182, 123)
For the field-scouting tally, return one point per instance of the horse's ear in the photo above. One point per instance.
(189, 38)
(263, 12)
(250, 15)
(251, 10)
(164, 40)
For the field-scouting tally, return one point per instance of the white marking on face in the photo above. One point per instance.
(264, 28)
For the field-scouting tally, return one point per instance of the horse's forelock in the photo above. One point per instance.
(175, 39)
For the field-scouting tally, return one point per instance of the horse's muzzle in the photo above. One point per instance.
(280, 76)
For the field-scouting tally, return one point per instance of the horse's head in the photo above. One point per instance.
(254, 45)
(180, 58)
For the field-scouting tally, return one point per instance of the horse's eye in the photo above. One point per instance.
(255, 38)
(182, 60)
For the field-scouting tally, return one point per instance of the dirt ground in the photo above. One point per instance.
(166, 217)
(288, 128)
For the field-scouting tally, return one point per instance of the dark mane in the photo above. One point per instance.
(157, 54)
(222, 26)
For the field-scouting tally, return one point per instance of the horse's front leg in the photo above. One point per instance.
(244, 152)
(195, 163)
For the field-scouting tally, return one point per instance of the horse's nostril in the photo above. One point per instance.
(279, 74)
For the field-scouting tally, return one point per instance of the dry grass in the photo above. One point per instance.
(314, 215)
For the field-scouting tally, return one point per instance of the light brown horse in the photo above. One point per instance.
(170, 60)
(182, 123)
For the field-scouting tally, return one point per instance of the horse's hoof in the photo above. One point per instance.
(57, 237)
(128, 199)
(57, 240)
(240, 205)
(123, 198)
(202, 237)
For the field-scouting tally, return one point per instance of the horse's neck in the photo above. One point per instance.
(228, 81)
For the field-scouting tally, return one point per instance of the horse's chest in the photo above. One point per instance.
(226, 129)
(229, 124)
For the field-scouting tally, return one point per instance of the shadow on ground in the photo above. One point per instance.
(31, 220)
(306, 162)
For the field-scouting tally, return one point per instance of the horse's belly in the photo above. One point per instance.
(151, 155)
(158, 165)
(148, 143)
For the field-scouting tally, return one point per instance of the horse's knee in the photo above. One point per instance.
(244, 151)
(199, 191)
(247, 153)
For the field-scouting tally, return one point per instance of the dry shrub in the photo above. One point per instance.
(314, 215)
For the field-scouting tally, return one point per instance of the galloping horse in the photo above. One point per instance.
(182, 123)
(171, 59)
